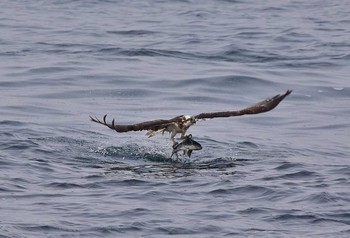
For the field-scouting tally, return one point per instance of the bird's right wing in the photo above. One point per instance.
(259, 107)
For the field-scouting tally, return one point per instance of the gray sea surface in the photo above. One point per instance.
(285, 173)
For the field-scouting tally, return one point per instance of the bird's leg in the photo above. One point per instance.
(174, 142)
(183, 134)
(172, 137)
(174, 151)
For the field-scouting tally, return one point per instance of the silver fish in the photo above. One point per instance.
(187, 146)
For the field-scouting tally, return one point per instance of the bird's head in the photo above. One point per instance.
(188, 121)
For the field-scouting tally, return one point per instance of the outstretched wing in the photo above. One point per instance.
(260, 107)
(147, 125)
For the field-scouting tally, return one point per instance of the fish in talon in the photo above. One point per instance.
(187, 146)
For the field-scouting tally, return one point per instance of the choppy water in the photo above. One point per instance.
(285, 173)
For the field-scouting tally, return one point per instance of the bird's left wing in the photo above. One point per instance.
(260, 107)
(147, 125)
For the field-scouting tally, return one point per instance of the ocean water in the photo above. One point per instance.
(285, 173)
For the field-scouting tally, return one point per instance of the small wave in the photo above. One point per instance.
(53, 69)
(299, 175)
(288, 165)
(63, 185)
(247, 144)
(45, 229)
(173, 230)
(128, 182)
(327, 220)
(132, 32)
(146, 52)
(12, 123)
(221, 84)
(19, 145)
(294, 217)
(326, 197)
(258, 191)
(256, 210)
(246, 56)
(307, 64)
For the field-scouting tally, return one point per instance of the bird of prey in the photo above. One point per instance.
(180, 124)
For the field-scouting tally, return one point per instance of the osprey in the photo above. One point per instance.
(180, 124)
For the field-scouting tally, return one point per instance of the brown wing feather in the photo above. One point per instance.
(260, 107)
(147, 125)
